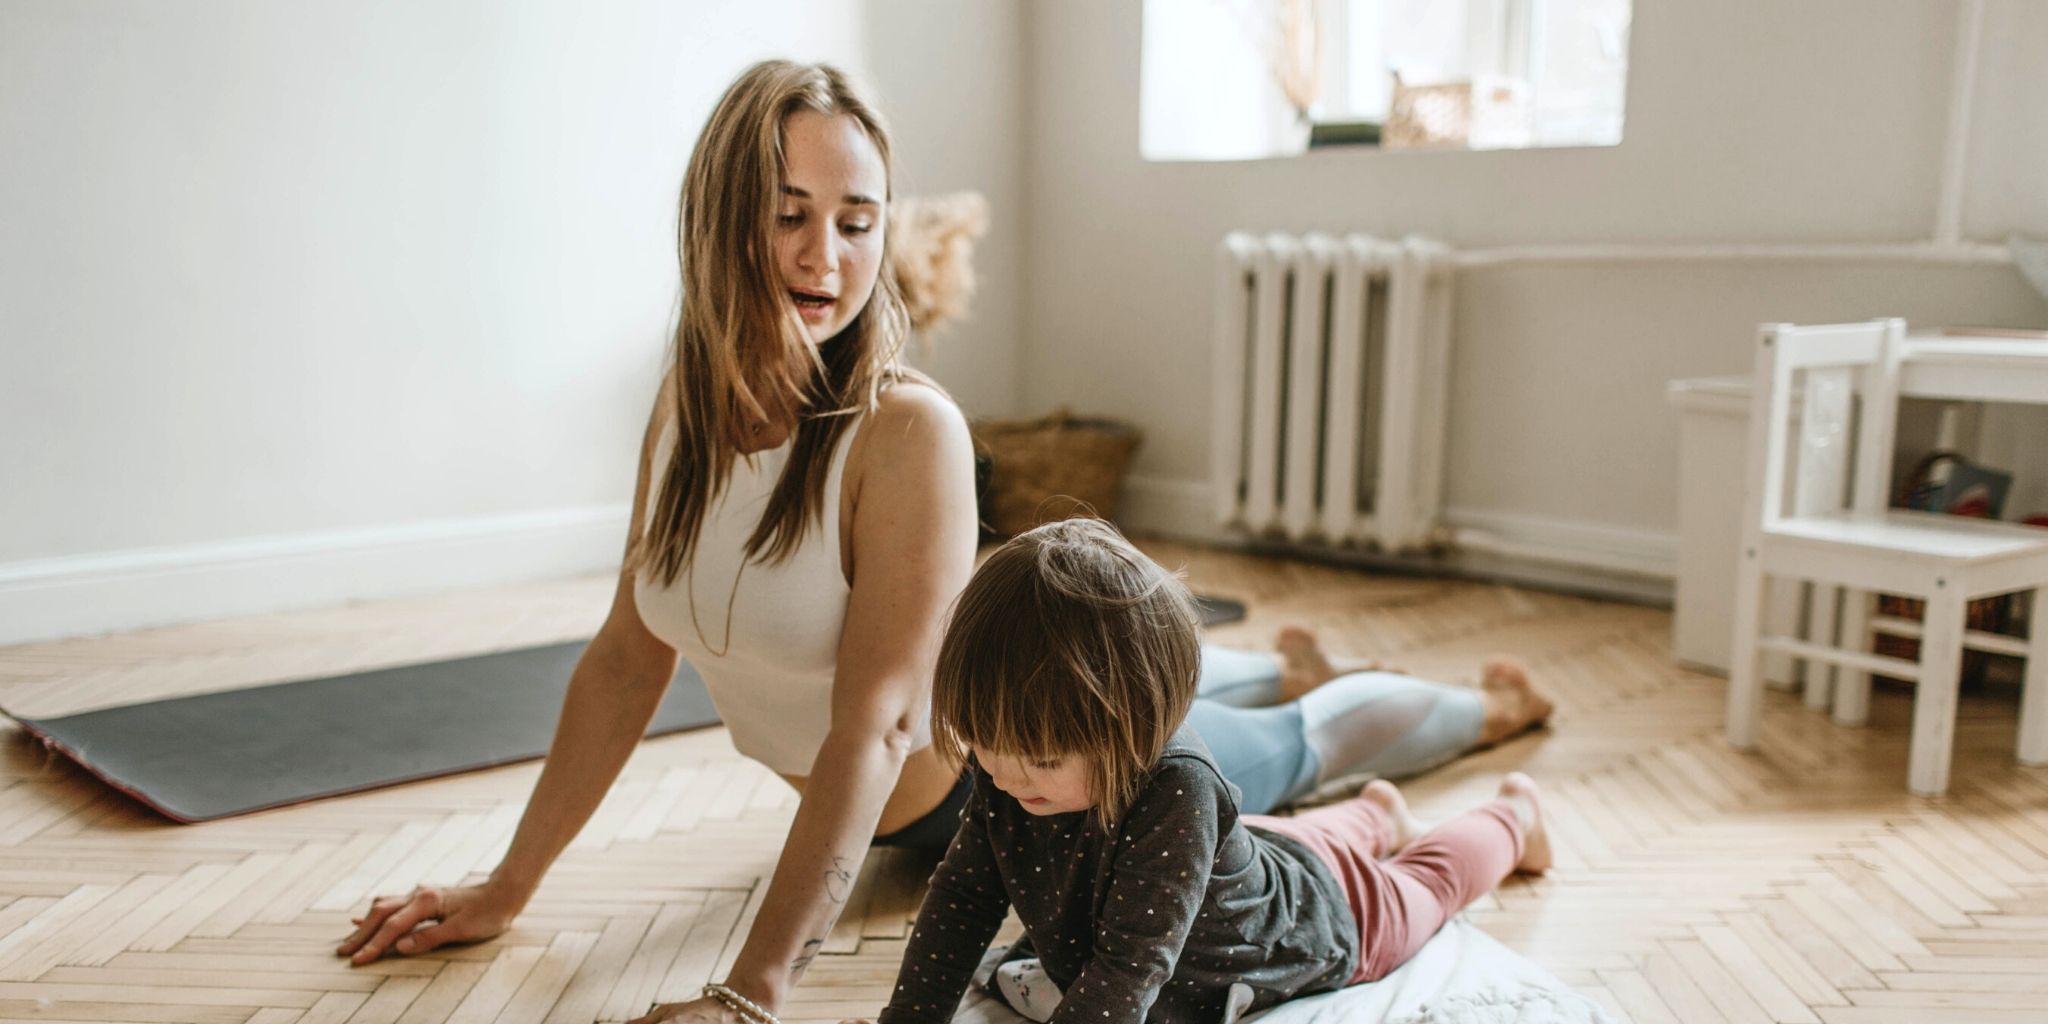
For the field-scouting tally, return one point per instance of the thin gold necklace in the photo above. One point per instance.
(730, 601)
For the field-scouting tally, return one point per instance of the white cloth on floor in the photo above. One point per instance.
(1460, 976)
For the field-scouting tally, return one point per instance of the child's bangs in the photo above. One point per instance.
(1015, 714)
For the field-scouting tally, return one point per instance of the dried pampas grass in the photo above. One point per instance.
(931, 245)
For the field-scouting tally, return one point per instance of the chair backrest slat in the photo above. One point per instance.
(1840, 366)
(1820, 483)
(1825, 345)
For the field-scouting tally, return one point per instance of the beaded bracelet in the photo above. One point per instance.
(750, 1011)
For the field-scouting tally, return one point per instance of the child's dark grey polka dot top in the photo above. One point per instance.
(1150, 920)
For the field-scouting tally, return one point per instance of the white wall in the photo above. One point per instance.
(302, 302)
(1747, 120)
(951, 80)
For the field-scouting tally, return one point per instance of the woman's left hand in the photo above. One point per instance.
(702, 1010)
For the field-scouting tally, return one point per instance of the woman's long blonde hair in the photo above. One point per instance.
(741, 353)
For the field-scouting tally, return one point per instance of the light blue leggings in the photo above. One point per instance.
(1379, 723)
(1393, 726)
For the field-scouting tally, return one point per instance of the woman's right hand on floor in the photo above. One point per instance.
(469, 913)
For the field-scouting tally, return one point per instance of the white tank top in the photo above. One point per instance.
(772, 682)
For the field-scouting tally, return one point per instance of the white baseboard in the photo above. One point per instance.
(1610, 549)
(1177, 509)
(1182, 509)
(74, 596)
(121, 590)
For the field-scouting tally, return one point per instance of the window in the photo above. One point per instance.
(1243, 79)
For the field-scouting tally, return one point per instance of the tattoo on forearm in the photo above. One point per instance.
(838, 887)
(838, 880)
(804, 958)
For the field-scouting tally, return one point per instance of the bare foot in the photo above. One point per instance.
(1519, 792)
(1304, 665)
(1513, 704)
(1387, 797)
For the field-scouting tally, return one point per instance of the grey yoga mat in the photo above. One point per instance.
(217, 755)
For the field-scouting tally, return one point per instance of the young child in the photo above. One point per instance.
(1064, 679)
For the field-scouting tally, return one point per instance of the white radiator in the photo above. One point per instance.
(1331, 367)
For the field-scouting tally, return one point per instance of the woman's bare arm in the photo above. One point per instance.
(913, 535)
(613, 693)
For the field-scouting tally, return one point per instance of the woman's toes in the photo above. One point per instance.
(1303, 665)
(1513, 704)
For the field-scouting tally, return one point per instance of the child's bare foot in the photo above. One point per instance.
(1519, 792)
(1304, 665)
(1387, 797)
(1513, 704)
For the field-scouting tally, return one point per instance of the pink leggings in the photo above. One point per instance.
(1402, 901)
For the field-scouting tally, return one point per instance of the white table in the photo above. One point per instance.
(1979, 369)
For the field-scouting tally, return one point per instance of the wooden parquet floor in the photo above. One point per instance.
(1694, 884)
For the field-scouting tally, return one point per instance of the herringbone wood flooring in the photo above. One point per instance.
(1694, 883)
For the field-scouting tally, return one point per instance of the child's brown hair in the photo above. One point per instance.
(1069, 642)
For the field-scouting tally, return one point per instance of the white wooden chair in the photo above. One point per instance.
(1838, 535)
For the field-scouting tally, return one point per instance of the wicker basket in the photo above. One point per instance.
(1050, 468)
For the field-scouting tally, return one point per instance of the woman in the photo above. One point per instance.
(804, 516)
